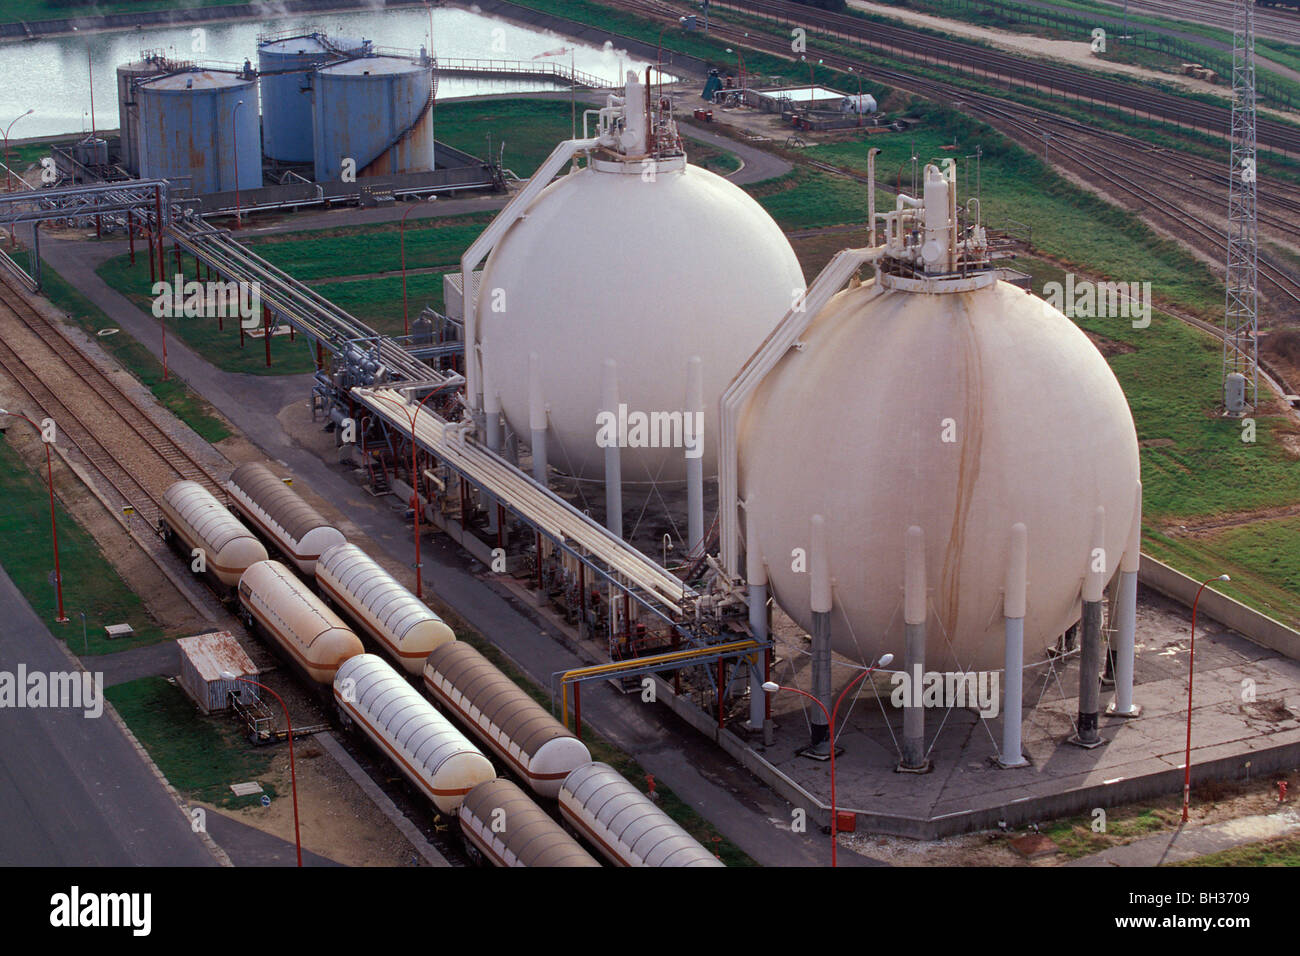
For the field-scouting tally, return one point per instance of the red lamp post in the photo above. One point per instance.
(1191, 661)
(415, 489)
(401, 233)
(772, 687)
(9, 183)
(54, 531)
(293, 774)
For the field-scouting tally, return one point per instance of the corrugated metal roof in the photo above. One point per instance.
(212, 654)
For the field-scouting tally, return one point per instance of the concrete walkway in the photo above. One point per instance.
(1188, 843)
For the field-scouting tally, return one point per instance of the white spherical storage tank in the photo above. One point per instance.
(200, 521)
(433, 754)
(960, 413)
(403, 624)
(645, 262)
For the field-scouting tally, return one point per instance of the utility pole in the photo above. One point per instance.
(1241, 312)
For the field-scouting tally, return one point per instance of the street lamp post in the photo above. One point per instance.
(401, 233)
(9, 180)
(415, 489)
(772, 687)
(293, 773)
(1191, 661)
(234, 148)
(54, 531)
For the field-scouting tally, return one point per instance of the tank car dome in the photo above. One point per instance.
(962, 413)
(610, 263)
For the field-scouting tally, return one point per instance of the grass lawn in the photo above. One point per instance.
(1076, 838)
(173, 394)
(1284, 851)
(90, 584)
(378, 302)
(27, 10)
(200, 756)
(220, 347)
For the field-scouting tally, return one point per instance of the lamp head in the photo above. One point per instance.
(771, 687)
(885, 660)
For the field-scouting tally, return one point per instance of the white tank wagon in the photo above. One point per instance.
(197, 520)
(433, 754)
(281, 516)
(314, 637)
(501, 714)
(624, 824)
(402, 624)
(508, 829)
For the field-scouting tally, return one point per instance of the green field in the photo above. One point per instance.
(200, 756)
(1284, 851)
(90, 584)
(27, 10)
(220, 346)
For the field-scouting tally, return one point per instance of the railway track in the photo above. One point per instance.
(1077, 86)
(1271, 23)
(133, 455)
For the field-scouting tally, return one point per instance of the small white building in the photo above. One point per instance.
(204, 659)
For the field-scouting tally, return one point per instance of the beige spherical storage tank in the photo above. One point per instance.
(313, 635)
(500, 821)
(648, 271)
(518, 729)
(283, 518)
(433, 754)
(200, 521)
(403, 624)
(624, 824)
(960, 413)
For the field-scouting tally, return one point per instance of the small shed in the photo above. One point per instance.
(204, 659)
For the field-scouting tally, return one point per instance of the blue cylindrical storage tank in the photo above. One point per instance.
(375, 111)
(286, 65)
(194, 131)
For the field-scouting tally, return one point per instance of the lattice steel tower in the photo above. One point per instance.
(1241, 314)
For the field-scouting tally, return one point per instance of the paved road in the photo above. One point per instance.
(743, 809)
(73, 790)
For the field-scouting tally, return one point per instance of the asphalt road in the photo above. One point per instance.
(73, 790)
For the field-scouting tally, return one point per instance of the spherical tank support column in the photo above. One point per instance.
(1090, 638)
(537, 417)
(756, 576)
(915, 601)
(613, 461)
(693, 439)
(1126, 619)
(491, 405)
(1014, 603)
(820, 573)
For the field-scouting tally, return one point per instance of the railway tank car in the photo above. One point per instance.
(432, 753)
(309, 632)
(194, 518)
(400, 622)
(501, 714)
(508, 829)
(623, 823)
(281, 516)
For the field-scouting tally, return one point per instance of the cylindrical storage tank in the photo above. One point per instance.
(280, 516)
(194, 131)
(285, 66)
(959, 413)
(313, 636)
(501, 822)
(91, 151)
(502, 715)
(200, 521)
(1234, 391)
(128, 109)
(433, 754)
(403, 624)
(651, 272)
(376, 112)
(624, 824)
